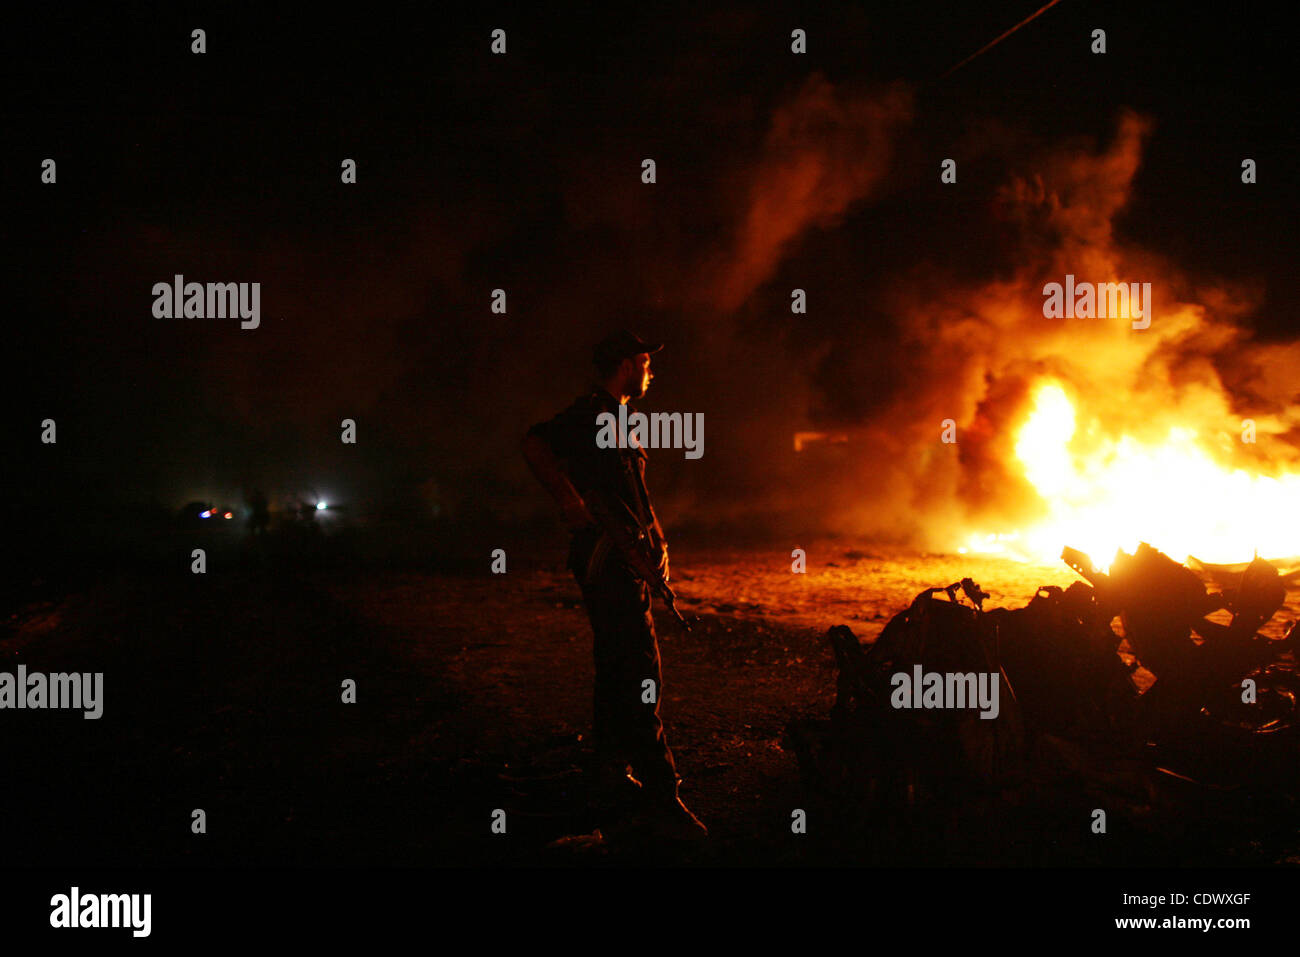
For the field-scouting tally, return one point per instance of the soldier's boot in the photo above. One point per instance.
(614, 785)
(668, 818)
(681, 823)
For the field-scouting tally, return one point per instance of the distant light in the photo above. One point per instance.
(229, 515)
(321, 506)
(205, 514)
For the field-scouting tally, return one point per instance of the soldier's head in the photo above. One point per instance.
(623, 364)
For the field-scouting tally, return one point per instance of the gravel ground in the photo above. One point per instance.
(473, 694)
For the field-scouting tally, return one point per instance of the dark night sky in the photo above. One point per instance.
(522, 172)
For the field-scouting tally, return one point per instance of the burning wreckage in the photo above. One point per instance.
(1123, 671)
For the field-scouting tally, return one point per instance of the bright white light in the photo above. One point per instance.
(205, 514)
(320, 506)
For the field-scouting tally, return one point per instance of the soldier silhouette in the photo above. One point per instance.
(564, 455)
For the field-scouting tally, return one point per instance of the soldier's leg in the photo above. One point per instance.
(630, 690)
(586, 565)
(610, 749)
(636, 688)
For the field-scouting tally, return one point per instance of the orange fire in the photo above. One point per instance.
(1102, 493)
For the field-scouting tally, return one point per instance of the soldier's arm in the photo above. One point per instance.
(548, 468)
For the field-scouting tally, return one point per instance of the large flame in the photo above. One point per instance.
(1111, 492)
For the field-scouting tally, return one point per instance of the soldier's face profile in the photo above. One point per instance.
(639, 380)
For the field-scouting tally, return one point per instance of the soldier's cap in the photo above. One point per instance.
(622, 345)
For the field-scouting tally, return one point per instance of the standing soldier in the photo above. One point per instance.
(565, 457)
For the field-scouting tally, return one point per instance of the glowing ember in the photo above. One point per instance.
(1110, 493)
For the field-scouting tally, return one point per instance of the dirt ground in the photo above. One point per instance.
(223, 692)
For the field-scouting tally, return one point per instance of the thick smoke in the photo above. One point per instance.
(974, 352)
(824, 151)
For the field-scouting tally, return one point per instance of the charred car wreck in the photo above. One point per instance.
(1131, 681)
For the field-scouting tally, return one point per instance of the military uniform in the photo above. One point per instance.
(626, 650)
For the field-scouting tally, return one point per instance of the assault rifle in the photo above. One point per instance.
(632, 539)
